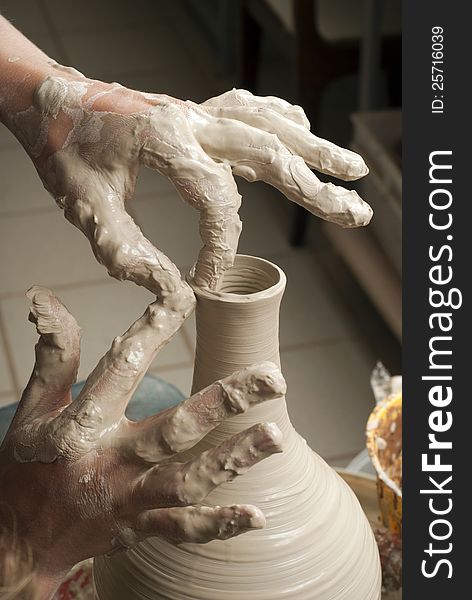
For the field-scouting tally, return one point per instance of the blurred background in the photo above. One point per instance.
(339, 59)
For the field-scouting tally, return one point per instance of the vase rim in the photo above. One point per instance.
(274, 283)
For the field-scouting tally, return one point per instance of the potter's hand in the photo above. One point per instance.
(92, 172)
(83, 480)
(88, 140)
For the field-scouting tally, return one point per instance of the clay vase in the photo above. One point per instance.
(317, 545)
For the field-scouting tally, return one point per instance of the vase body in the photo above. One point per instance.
(317, 545)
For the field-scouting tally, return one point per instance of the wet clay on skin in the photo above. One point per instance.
(128, 480)
(199, 148)
(317, 543)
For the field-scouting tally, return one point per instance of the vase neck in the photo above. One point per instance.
(238, 327)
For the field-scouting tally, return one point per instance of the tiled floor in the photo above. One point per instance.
(327, 351)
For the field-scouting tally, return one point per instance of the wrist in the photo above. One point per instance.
(22, 67)
(21, 79)
(36, 115)
(17, 111)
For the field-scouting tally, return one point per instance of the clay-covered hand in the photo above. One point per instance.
(82, 480)
(88, 140)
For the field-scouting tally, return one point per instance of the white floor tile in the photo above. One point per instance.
(6, 383)
(180, 377)
(25, 16)
(329, 396)
(103, 311)
(108, 54)
(170, 224)
(311, 309)
(153, 184)
(43, 248)
(20, 186)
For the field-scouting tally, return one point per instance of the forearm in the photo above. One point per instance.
(29, 113)
(23, 66)
(23, 70)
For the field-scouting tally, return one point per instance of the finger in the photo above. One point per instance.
(102, 401)
(205, 184)
(189, 483)
(57, 355)
(199, 524)
(236, 98)
(257, 155)
(180, 428)
(117, 242)
(322, 155)
(219, 227)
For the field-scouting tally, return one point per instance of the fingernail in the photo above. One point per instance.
(357, 168)
(344, 207)
(364, 214)
(257, 519)
(269, 375)
(271, 438)
(249, 516)
(347, 164)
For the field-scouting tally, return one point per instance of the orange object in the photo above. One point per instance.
(384, 444)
